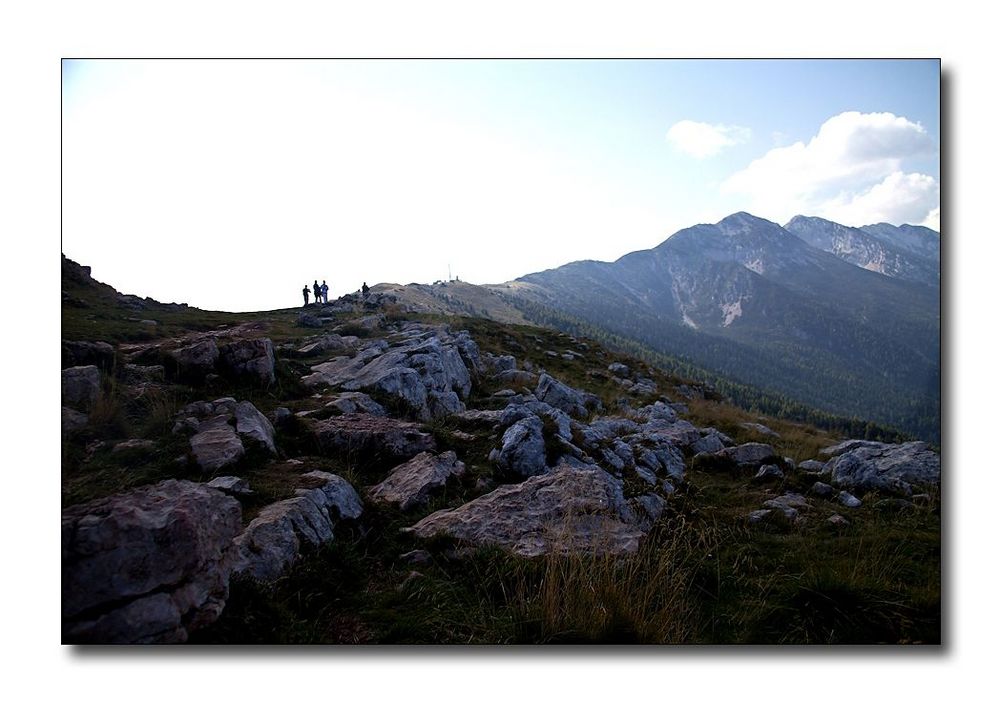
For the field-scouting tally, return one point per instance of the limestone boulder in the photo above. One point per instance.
(81, 386)
(892, 468)
(411, 485)
(568, 510)
(369, 437)
(522, 451)
(150, 565)
(248, 358)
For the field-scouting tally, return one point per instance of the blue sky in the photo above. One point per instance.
(263, 176)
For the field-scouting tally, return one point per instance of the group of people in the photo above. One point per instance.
(320, 292)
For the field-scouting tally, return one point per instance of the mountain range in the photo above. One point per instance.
(843, 319)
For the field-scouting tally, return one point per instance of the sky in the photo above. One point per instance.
(231, 184)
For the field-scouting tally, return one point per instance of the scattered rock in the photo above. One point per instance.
(369, 437)
(749, 455)
(88, 353)
(357, 402)
(308, 320)
(522, 451)
(821, 489)
(417, 557)
(252, 358)
(150, 565)
(216, 448)
(789, 504)
(848, 500)
(838, 522)
(769, 473)
(81, 386)
(412, 484)
(561, 396)
(231, 485)
(196, 360)
(274, 540)
(133, 445)
(895, 468)
(564, 511)
(813, 467)
(72, 421)
(620, 370)
(141, 375)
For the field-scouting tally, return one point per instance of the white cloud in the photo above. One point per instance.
(702, 140)
(933, 219)
(853, 168)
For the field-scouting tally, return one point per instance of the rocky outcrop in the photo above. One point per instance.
(368, 437)
(573, 402)
(248, 358)
(357, 403)
(749, 455)
(275, 539)
(81, 386)
(231, 485)
(894, 468)
(412, 484)
(328, 343)
(195, 361)
(150, 565)
(88, 353)
(223, 431)
(522, 451)
(429, 371)
(567, 510)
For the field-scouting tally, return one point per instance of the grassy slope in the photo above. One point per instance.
(701, 577)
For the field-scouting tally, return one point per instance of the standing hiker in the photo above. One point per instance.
(325, 290)
(364, 289)
(316, 293)
(305, 295)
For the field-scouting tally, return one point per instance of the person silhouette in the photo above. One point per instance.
(364, 289)
(305, 295)
(316, 293)
(325, 290)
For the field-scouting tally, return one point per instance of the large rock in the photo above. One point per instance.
(522, 451)
(367, 436)
(88, 353)
(249, 358)
(217, 448)
(223, 430)
(427, 372)
(81, 386)
(568, 510)
(275, 539)
(894, 468)
(196, 360)
(357, 403)
(150, 565)
(412, 484)
(749, 455)
(560, 395)
(72, 421)
(329, 343)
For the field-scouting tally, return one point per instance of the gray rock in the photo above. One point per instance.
(498, 364)
(411, 485)
(363, 435)
(620, 370)
(231, 485)
(133, 445)
(813, 467)
(283, 417)
(893, 468)
(561, 396)
(749, 455)
(308, 320)
(81, 386)
(769, 473)
(72, 421)
(821, 489)
(328, 343)
(357, 402)
(216, 448)
(709, 443)
(251, 358)
(274, 540)
(372, 322)
(758, 516)
(513, 376)
(848, 500)
(790, 503)
(196, 360)
(838, 522)
(88, 353)
(253, 427)
(647, 508)
(645, 474)
(150, 565)
(567, 510)
(849, 445)
(658, 413)
(522, 450)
